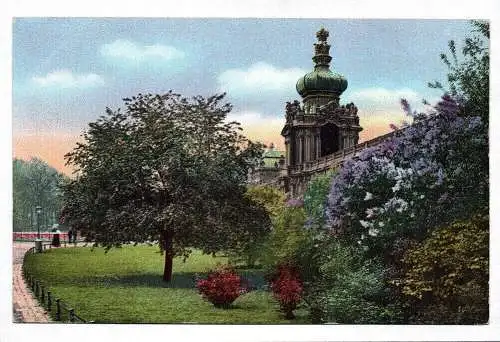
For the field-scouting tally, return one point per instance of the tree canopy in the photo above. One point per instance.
(168, 168)
(35, 183)
(469, 74)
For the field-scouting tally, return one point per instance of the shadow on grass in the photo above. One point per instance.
(185, 280)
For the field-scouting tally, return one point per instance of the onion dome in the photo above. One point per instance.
(321, 80)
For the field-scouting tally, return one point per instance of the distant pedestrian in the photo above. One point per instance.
(56, 240)
(70, 236)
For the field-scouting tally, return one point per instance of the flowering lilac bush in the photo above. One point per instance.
(429, 173)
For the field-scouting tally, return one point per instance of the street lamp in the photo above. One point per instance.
(38, 211)
(38, 241)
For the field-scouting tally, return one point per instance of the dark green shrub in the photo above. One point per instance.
(446, 277)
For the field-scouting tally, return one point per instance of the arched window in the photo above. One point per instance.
(329, 139)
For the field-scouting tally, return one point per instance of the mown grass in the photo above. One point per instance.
(125, 286)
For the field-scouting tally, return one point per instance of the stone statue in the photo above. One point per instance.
(351, 109)
(289, 112)
(354, 110)
(291, 109)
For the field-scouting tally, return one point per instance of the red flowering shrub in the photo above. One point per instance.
(221, 287)
(287, 289)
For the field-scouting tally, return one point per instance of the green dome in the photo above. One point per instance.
(321, 81)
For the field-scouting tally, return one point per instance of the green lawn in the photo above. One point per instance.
(125, 286)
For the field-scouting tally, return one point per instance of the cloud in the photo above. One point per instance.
(380, 107)
(259, 127)
(253, 118)
(66, 79)
(382, 98)
(259, 78)
(128, 50)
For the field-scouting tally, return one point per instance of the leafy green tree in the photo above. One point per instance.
(272, 200)
(286, 236)
(168, 169)
(468, 75)
(35, 183)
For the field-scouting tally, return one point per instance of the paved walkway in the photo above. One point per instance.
(26, 308)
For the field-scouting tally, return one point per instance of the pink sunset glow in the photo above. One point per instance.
(52, 147)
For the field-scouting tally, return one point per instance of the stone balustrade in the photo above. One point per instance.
(335, 159)
(305, 170)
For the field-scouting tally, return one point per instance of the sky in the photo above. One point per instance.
(66, 71)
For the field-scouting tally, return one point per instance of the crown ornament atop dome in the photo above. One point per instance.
(322, 35)
(321, 80)
(322, 56)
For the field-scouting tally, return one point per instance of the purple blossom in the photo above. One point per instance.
(447, 107)
(309, 223)
(411, 165)
(295, 202)
(440, 177)
(474, 123)
(406, 107)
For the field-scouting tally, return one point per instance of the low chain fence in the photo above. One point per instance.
(57, 308)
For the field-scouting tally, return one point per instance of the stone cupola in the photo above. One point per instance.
(319, 126)
(321, 85)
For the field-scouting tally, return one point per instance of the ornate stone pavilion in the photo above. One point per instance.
(272, 164)
(317, 127)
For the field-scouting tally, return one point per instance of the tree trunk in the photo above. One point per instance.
(167, 246)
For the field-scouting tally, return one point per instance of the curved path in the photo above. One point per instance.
(26, 308)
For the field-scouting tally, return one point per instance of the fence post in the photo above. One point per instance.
(42, 296)
(37, 288)
(58, 309)
(71, 315)
(49, 301)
